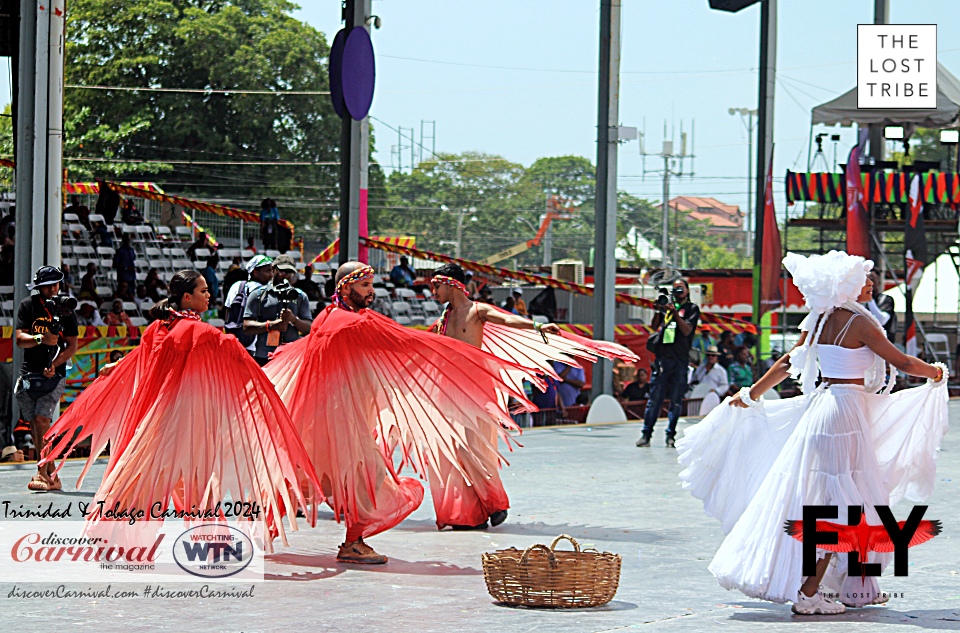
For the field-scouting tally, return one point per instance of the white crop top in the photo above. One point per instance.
(844, 362)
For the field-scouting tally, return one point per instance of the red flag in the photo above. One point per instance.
(858, 225)
(913, 275)
(772, 253)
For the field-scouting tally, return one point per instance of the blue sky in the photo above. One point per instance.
(518, 78)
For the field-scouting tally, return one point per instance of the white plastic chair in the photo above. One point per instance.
(940, 346)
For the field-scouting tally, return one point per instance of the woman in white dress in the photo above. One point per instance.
(841, 443)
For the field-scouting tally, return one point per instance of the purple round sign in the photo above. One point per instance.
(335, 69)
(358, 73)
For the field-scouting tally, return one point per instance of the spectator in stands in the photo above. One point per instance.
(572, 381)
(80, 210)
(154, 284)
(102, 235)
(210, 274)
(260, 269)
(236, 273)
(277, 313)
(251, 246)
(402, 276)
(124, 292)
(518, 303)
(141, 295)
(6, 265)
(509, 304)
(639, 389)
(235, 263)
(548, 402)
(740, 371)
(715, 377)
(269, 219)
(116, 355)
(7, 225)
(88, 284)
(308, 285)
(87, 314)
(200, 242)
(472, 289)
(117, 316)
(726, 348)
(329, 287)
(69, 280)
(124, 262)
(129, 213)
(486, 295)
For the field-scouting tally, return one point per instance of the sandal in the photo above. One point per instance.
(38, 484)
(55, 483)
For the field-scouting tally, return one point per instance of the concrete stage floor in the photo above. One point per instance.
(590, 482)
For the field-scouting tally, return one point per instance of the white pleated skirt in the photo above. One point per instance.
(756, 469)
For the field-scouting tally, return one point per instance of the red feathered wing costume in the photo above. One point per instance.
(191, 419)
(359, 385)
(455, 501)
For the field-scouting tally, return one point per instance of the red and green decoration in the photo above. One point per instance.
(890, 187)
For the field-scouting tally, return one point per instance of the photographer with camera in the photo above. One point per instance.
(675, 324)
(276, 313)
(47, 332)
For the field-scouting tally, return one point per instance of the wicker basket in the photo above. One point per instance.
(540, 576)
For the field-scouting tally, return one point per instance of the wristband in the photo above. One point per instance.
(744, 396)
(38, 338)
(944, 374)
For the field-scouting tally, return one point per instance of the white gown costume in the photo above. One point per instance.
(837, 444)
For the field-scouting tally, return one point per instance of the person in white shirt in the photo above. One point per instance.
(714, 377)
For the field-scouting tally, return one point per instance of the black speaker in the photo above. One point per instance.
(731, 5)
(9, 27)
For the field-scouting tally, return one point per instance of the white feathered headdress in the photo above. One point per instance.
(828, 282)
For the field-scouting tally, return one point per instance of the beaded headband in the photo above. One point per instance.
(450, 281)
(364, 272)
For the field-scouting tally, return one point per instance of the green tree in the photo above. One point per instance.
(203, 45)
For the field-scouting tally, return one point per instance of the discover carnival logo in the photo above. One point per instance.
(116, 551)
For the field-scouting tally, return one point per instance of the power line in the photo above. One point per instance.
(90, 159)
(202, 90)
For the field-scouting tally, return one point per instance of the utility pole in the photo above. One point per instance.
(547, 242)
(881, 15)
(665, 238)
(352, 149)
(605, 264)
(39, 146)
(747, 112)
(768, 76)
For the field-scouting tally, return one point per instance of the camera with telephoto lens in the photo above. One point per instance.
(284, 292)
(663, 299)
(59, 306)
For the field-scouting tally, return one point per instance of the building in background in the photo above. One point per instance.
(726, 220)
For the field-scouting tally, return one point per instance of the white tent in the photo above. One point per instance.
(843, 110)
(937, 292)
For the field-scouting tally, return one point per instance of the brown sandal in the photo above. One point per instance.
(55, 483)
(38, 484)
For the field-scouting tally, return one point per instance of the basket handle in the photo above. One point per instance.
(565, 537)
(540, 546)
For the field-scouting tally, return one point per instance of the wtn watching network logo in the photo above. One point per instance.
(213, 551)
(858, 538)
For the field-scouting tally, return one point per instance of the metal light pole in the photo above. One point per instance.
(747, 112)
(605, 265)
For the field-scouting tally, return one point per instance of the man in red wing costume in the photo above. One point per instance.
(531, 345)
(360, 385)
